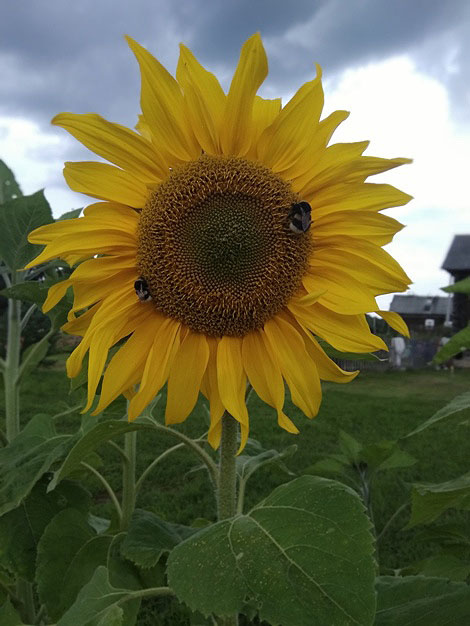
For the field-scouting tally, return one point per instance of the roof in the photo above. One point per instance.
(419, 305)
(458, 256)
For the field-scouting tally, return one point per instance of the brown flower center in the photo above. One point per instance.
(215, 246)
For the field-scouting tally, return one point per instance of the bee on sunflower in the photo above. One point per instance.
(228, 238)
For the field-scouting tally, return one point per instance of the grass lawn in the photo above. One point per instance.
(374, 407)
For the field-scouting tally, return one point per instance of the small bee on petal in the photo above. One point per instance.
(142, 290)
(300, 217)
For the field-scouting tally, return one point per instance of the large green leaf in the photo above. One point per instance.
(304, 556)
(21, 529)
(69, 215)
(441, 566)
(69, 552)
(8, 615)
(125, 575)
(97, 601)
(27, 457)
(33, 291)
(104, 431)
(456, 343)
(18, 218)
(9, 188)
(462, 286)
(149, 537)
(429, 500)
(33, 355)
(421, 601)
(456, 405)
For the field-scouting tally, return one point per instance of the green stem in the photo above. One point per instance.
(107, 486)
(151, 592)
(226, 500)
(227, 492)
(128, 479)
(10, 372)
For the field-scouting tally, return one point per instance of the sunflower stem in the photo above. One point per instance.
(11, 369)
(128, 479)
(227, 494)
(227, 491)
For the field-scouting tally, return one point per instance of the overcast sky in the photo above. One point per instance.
(402, 67)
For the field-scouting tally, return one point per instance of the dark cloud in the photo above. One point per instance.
(57, 55)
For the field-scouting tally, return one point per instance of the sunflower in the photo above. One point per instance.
(229, 238)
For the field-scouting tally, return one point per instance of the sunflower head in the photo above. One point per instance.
(228, 238)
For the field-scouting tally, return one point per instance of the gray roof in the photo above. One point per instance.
(419, 305)
(458, 257)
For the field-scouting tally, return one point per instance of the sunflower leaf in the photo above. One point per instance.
(149, 537)
(19, 217)
(421, 601)
(456, 344)
(303, 556)
(456, 405)
(27, 458)
(69, 551)
(21, 529)
(429, 500)
(462, 286)
(8, 615)
(9, 188)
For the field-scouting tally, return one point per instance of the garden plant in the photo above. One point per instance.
(230, 253)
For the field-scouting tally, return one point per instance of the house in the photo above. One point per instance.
(457, 263)
(422, 312)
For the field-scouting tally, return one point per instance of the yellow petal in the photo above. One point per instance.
(160, 357)
(237, 121)
(55, 294)
(395, 321)
(356, 197)
(107, 241)
(204, 98)
(112, 211)
(264, 113)
(79, 325)
(163, 107)
(348, 333)
(115, 143)
(282, 144)
(327, 369)
(333, 165)
(232, 382)
(210, 389)
(296, 365)
(105, 182)
(339, 292)
(115, 330)
(265, 375)
(364, 262)
(87, 292)
(127, 365)
(375, 227)
(185, 377)
(300, 171)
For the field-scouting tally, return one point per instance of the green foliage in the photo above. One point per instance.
(21, 528)
(456, 405)
(69, 551)
(429, 500)
(104, 431)
(462, 286)
(149, 537)
(421, 601)
(8, 615)
(456, 344)
(284, 556)
(98, 603)
(18, 217)
(27, 458)
(9, 188)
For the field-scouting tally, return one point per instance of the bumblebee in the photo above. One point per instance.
(142, 290)
(300, 217)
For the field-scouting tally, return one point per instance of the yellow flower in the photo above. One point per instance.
(206, 209)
